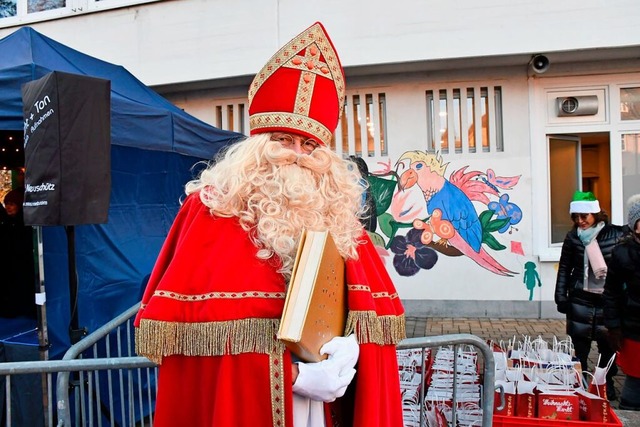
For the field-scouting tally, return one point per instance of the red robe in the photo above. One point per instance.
(210, 314)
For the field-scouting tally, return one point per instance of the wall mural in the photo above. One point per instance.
(530, 278)
(422, 215)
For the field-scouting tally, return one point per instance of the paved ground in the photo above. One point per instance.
(504, 329)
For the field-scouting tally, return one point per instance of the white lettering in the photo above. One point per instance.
(40, 105)
(38, 203)
(45, 186)
(40, 120)
(561, 406)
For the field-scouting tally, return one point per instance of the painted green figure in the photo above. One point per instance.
(530, 277)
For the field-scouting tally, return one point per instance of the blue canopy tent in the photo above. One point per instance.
(154, 145)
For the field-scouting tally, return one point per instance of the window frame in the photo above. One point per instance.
(562, 208)
(71, 8)
(620, 88)
(543, 91)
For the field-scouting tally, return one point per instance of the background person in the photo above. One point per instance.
(583, 267)
(370, 218)
(211, 310)
(16, 260)
(622, 307)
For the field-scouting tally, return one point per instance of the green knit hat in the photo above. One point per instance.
(584, 202)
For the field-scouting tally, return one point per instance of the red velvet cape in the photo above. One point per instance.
(210, 314)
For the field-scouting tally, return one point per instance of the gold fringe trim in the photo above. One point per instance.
(156, 339)
(371, 328)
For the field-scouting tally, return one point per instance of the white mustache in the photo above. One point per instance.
(317, 161)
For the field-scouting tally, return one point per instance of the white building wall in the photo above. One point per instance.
(459, 278)
(191, 40)
(177, 42)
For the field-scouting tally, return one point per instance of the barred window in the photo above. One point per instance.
(361, 130)
(362, 127)
(464, 120)
(231, 116)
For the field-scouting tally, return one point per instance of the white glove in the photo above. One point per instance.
(343, 350)
(327, 380)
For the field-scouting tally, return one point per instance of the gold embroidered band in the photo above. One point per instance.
(366, 288)
(219, 295)
(293, 121)
(277, 388)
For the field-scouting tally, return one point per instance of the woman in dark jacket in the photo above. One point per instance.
(622, 307)
(586, 253)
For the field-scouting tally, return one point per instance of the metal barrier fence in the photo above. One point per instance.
(130, 395)
(456, 341)
(100, 380)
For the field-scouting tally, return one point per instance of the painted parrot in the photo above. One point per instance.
(427, 172)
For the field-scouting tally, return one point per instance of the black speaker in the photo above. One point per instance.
(67, 139)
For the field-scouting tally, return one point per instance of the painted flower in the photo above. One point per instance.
(411, 254)
(505, 209)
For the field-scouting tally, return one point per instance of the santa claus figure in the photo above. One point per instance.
(210, 314)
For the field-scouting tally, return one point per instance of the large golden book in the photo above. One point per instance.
(315, 307)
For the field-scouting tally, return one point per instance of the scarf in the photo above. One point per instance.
(592, 253)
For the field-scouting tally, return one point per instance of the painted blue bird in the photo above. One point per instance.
(426, 170)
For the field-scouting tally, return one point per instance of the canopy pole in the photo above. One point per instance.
(76, 333)
(43, 332)
(40, 297)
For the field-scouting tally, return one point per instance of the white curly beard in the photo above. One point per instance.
(276, 193)
(289, 201)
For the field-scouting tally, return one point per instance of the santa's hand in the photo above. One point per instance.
(343, 350)
(323, 381)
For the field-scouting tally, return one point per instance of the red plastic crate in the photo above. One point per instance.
(502, 421)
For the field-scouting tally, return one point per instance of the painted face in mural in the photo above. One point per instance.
(583, 220)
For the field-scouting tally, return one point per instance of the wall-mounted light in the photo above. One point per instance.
(577, 105)
(539, 63)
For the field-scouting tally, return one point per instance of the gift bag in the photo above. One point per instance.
(558, 405)
(557, 377)
(514, 374)
(598, 384)
(435, 416)
(500, 358)
(469, 414)
(526, 399)
(509, 408)
(592, 407)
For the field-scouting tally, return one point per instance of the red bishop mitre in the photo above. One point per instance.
(300, 90)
